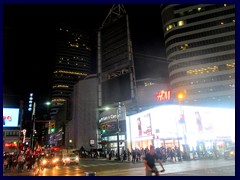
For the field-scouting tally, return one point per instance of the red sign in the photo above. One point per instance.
(11, 144)
(164, 95)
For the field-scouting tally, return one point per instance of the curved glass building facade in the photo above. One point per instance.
(200, 46)
(74, 61)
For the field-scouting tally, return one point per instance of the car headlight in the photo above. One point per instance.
(55, 160)
(44, 162)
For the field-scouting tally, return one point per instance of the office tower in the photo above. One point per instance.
(200, 46)
(74, 61)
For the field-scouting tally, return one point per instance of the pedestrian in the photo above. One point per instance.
(134, 153)
(5, 163)
(149, 162)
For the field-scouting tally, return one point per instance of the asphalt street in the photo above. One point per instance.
(104, 167)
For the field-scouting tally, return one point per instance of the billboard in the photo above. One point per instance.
(116, 90)
(11, 117)
(200, 122)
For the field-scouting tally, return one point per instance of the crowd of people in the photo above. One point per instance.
(137, 154)
(20, 162)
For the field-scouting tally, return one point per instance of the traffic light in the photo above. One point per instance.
(52, 127)
(103, 128)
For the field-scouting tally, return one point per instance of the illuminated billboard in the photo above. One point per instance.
(10, 117)
(200, 123)
(141, 126)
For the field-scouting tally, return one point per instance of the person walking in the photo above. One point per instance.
(149, 162)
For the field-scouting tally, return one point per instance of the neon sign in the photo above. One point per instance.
(10, 144)
(164, 95)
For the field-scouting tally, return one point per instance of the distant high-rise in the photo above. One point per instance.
(74, 61)
(200, 46)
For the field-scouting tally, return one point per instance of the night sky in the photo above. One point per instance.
(29, 42)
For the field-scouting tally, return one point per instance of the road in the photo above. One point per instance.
(114, 168)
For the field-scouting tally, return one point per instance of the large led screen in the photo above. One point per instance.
(10, 117)
(199, 122)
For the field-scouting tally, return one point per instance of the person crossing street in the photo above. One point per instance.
(149, 162)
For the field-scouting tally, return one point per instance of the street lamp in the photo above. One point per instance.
(48, 103)
(180, 96)
(33, 129)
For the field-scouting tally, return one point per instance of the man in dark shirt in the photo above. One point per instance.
(149, 162)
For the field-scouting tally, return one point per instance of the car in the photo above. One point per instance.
(229, 152)
(70, 159)
(50, 161)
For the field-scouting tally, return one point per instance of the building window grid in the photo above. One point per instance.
(184, 73)
(206, 90)
(203, 80)
(198, 19)
(205, 51)
(200, 26)
(202, 43)
(195, 10)
(213, 15)
(202, 61)
(201, 35)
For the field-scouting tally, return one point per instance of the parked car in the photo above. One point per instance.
(229, 152)
(70, 159)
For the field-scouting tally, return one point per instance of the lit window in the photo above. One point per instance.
(184, 47)
(170, 26)
(180, 23)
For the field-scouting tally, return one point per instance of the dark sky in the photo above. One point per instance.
(29, 42)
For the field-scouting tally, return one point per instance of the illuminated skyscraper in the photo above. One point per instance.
(74, 61)
(200, 46)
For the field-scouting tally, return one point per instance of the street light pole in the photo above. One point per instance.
(180, 96)
(183, 126)
(33, 119)
(118, 148)
(177, 132)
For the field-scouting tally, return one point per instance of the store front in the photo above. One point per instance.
(165, 126)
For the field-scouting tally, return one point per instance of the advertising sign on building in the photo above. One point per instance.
(141, 126)
(10, 117)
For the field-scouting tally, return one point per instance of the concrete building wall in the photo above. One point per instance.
(84, 121)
